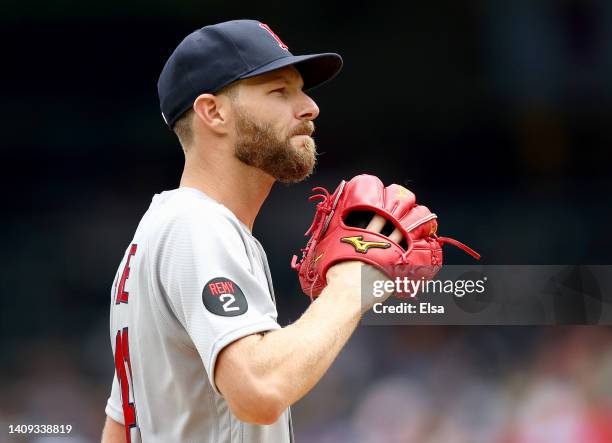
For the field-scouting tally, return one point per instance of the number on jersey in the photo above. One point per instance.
(123, 365)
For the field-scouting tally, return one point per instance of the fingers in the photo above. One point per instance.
(396, 236)
(378, 223)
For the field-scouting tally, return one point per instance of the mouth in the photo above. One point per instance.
(304, 130)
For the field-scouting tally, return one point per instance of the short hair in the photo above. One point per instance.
(183, 130)
(183, 127)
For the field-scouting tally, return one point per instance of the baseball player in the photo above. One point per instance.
(199, 355)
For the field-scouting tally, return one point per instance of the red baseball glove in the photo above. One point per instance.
(382, 226)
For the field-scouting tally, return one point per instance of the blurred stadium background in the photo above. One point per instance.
(496, 114)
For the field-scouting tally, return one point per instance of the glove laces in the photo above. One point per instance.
(325, 209)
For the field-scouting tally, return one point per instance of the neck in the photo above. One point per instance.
(239, 187)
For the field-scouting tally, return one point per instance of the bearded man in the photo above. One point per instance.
(199, 355)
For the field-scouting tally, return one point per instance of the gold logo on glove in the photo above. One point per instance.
(363, 246)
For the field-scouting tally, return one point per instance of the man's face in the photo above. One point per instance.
(274, 125)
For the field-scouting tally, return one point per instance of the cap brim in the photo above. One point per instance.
(315, 69)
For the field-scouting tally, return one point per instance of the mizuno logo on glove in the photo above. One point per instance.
(363, 246)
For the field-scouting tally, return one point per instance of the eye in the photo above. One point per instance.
(278, 90)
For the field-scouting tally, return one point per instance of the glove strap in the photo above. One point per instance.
(458, 244)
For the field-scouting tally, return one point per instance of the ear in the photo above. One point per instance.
(213, 111)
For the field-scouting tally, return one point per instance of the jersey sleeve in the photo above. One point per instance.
(113, 406)
(208, 278)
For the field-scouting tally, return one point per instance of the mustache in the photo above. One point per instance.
(304, 128)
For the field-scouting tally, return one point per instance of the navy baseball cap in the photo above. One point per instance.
(215, 56)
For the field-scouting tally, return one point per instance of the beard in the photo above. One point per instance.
(287, 160)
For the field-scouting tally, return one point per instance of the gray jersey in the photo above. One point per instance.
(192, 281)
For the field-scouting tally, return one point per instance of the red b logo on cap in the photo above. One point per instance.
(271, 32)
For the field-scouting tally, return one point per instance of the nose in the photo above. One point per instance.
(308, 109)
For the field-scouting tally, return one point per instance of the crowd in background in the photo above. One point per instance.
(496, 114)
(390, 384)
